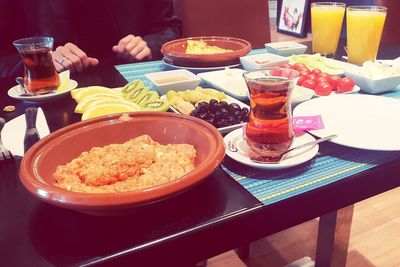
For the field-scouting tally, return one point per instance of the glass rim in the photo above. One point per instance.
(367, 8)
(37, 41)
(329, 4)
(244, 74)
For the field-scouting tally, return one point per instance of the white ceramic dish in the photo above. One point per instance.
(285, 49)
(228, 80)
(198, 69)
(226, 129)
(178, 80)
(260, 61)
(301, 94)
(13, 92)
(292, 159)
(372, 86)
(360, 121)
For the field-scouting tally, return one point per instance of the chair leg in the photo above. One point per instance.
(333, 238)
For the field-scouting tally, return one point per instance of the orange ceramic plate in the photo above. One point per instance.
(60, 147)
(175, 52)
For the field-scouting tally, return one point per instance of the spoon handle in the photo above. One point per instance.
(326, 138)
(31, 133)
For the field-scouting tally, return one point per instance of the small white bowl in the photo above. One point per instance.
(373, 86)
(178, 80)
(286, 49)
(260, 61)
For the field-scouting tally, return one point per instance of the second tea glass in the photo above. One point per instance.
(269, 131)
(326, 25)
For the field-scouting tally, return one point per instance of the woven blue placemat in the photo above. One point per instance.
(333, 163)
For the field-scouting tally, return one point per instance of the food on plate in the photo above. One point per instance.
(185, 101)
(136, 164)
(322, 83)
(202, 48)
(171, 80)
(376, 70)
(96, 101)
(108, 109)
(316, 61)
(220, 114)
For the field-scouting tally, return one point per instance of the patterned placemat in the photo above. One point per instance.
(333, 163)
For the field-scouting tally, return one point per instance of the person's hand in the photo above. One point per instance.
(70, 57)
(132, 48)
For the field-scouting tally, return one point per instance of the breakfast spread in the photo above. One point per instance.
(136, 164)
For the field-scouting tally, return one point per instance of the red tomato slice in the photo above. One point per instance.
(323, 89)
(313, 77)
(334, 81)
(309, 84)
(301, 79)
(321, 80)
(305, 72)
(345, 85)
(316, 72)
(324, 75)
(299, 66)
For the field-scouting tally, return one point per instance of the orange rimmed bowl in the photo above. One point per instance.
(175, 52)
(60, 147)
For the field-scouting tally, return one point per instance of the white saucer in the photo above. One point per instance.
(199, 69)
(13, 92)
(292, 159)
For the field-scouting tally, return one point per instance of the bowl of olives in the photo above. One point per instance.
(225, 115)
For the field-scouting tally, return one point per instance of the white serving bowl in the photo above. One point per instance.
(372, 85)
(177, 80)
(260, 61)
(286, 49)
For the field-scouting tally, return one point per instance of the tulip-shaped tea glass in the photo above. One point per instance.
(269, 131)
(40, 75)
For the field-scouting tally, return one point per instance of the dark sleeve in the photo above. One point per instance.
(164, 25)
(11, 25)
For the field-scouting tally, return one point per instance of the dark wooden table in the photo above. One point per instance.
(215, 216)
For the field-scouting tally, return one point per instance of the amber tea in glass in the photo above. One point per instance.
(269, 131)
(40, 75)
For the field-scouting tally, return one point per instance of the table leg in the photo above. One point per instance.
(333, 238)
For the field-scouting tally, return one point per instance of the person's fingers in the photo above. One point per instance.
(79, 53)
(120, 48)
(93, 61)
(135, 47)
(145, 53)
(70, 61)
(57, 61)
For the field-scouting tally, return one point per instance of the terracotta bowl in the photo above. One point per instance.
(175, 52)
(60, 147)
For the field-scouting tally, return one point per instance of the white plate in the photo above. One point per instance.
(13, 92)
(229, 100)
(360, 121)
(301, 94)
(228, 80)
(292, 159)
(263, 60)
(340, 65)
(198, 69)
(356, 89)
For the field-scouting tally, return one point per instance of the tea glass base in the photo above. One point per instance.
(266, 152)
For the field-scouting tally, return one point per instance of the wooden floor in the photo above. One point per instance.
(374, 241)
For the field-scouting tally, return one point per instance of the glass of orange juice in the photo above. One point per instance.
(364, 31)
(326, 24)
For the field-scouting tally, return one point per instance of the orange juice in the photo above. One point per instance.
(326, 24)
(364, 31)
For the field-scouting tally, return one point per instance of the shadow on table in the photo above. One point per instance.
(65, 237)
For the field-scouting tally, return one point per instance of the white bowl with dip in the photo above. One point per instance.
(264, 60)
(177, 80)
(286, 49)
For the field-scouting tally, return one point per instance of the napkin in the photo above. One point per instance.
(14, 132)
